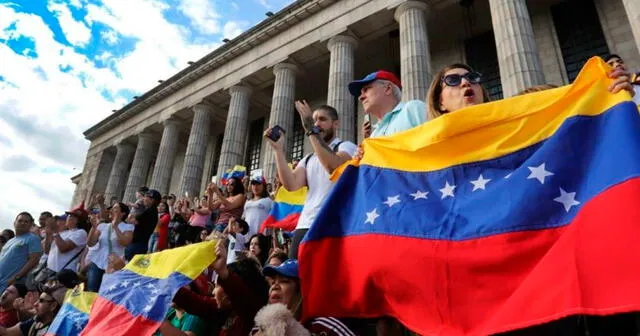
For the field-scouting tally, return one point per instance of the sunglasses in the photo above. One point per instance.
(41, 300)
(456, 79)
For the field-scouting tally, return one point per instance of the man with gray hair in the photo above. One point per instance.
(381, 96)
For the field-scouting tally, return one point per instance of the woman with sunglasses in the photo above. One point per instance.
(231, 206)
(454, 87)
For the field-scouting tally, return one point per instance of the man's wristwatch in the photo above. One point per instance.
(314, 130)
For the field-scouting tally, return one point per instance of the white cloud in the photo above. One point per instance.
(109, 36)
(76, 32)
(202, 14)
(234, 28)
(235, 6)
(264, 3)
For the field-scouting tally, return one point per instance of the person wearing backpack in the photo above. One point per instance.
(329, 152)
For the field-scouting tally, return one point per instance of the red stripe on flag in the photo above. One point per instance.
(107, 318)
(487, 285)
(288, 223)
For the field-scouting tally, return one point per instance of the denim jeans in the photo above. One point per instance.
(94, 277)
(153, 242)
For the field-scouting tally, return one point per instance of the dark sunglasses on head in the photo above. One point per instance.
(456, 79)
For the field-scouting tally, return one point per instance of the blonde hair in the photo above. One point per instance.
(434, 108)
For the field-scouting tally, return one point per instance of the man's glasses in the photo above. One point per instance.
(456, 79)
(41, 300)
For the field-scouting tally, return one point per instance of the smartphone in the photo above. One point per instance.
(276, 132)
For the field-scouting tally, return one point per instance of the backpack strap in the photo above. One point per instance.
(308, 157)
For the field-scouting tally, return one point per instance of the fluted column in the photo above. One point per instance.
(196, 150)
(139, 167)
(518, 58)
(632, 7)
(235, 130)
(341, 67)
(166, 154)
(118, 176)
(281, 108)
(415, 59)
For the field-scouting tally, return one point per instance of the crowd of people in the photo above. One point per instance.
(253, 287)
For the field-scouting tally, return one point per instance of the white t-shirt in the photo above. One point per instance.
(235, 244)
(99, 253)
(319, 183)
(255, 212)
(57, 259)
(636, 98)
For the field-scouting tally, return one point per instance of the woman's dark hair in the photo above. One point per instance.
(280, 256)
(8, 234)
(125, 211)
(264, 243)
(238, 187)
(264, 193)
(250, 272)
(166, 205)
(434, 109)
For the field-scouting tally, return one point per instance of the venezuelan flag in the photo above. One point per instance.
(237, 172)
(134, 301)
(489, 219)
(74, 313)
(286, 209)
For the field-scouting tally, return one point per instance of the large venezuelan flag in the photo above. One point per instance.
(134, 301)
(286, 209)
(489, 219)
(74, 313)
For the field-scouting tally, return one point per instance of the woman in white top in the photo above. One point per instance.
(106, 239)
(258, 207)
(64, 247)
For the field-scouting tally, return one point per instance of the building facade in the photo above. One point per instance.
(211, 115)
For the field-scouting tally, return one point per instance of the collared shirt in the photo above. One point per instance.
(404, 116)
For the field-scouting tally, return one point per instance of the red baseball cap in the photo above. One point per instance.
(356, 86)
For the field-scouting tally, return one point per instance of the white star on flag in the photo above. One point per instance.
(508, 176)
(419, 194)
(112, 288)
(371, 216)
(447, 191)
(151, 286)
(567, 199)
(392, 200)
(539, 173)
(147, 308)
(136, 284)
(125, 283)
(480, 183)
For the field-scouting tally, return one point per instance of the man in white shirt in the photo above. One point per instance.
(329, 152)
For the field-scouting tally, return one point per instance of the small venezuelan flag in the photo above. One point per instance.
(134, 301)
(286, 209)
(489, 219)
(74, 313)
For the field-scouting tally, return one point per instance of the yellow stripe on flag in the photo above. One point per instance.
(296, 197)
(189, 260)
(499, 128)
(80, 299)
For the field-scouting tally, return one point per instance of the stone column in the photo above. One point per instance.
(139, 167)
(415, 59)
(166, 155)
(633, 13)
(518, 58)
(118, 176)
(282, 109)
(196, 149)
(340, 74)
(235, 130)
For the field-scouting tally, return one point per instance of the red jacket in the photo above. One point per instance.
(237, 322)
(163, 231)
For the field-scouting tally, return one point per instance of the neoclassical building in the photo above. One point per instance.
(211, 115)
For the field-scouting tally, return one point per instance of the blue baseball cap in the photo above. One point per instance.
(287, 269)
(356, 86)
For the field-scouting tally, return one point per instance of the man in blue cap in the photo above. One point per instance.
(380, 93)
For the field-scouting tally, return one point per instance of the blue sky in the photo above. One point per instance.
(67, 64)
